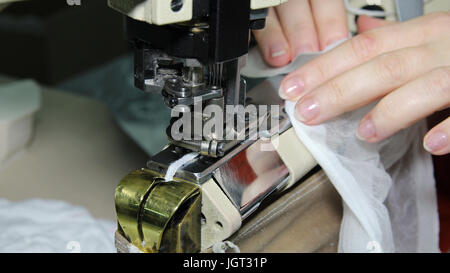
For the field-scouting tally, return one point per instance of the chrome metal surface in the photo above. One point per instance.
(252, 174)
(232, 170)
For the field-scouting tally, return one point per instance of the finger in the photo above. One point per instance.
(366, 23)
(437, 141)
(405, 106)
(368, 82)
(361, 49)
(298, 26)
(330, 17)
(272, 43)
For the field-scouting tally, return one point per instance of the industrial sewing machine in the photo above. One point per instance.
(191, 52)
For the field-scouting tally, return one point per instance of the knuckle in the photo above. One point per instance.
(393, 67)
(313, 73)
(303, 25)
(386, 110)
(321, 71)
(306, 36)
(440, 20)
(337, 93)
(440, 82)
(330, 21)
(364, 46)
(334, 23)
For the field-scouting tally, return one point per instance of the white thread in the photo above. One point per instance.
(175, 166)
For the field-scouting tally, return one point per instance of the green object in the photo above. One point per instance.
(143, 116)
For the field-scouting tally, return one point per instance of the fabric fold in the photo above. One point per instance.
(388, 188)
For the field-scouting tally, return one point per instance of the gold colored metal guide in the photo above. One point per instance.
(159, 216)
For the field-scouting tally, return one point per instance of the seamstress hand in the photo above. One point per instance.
(301, 26)
(406, 65)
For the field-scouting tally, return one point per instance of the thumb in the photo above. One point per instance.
(366, 23)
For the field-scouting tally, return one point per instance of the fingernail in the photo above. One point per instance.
(291, 88)
(436, 141)
(366, 130)
(307, 110)
(277, 50)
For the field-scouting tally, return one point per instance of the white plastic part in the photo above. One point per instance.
(295, 156)
(162, 12)
(19, 102)
(261, 4)
(222, 217)
(157, 12)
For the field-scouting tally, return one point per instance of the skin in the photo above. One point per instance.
(301, 26)
(406, 66)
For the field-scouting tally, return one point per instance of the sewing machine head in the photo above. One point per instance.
(191, 52)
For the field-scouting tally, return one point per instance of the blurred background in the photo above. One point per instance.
(93, 126)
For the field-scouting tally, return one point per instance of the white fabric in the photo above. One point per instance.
(46, 226)
(388, 189)
(256, 67)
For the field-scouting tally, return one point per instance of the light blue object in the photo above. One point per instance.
(408, 9)
(19, 101)
(143, 116)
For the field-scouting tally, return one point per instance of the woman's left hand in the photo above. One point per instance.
(406, 65)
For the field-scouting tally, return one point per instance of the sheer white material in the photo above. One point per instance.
(388, 189)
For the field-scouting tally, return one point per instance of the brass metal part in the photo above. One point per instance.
(166, 211)
(129, 196)
(159, 216)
